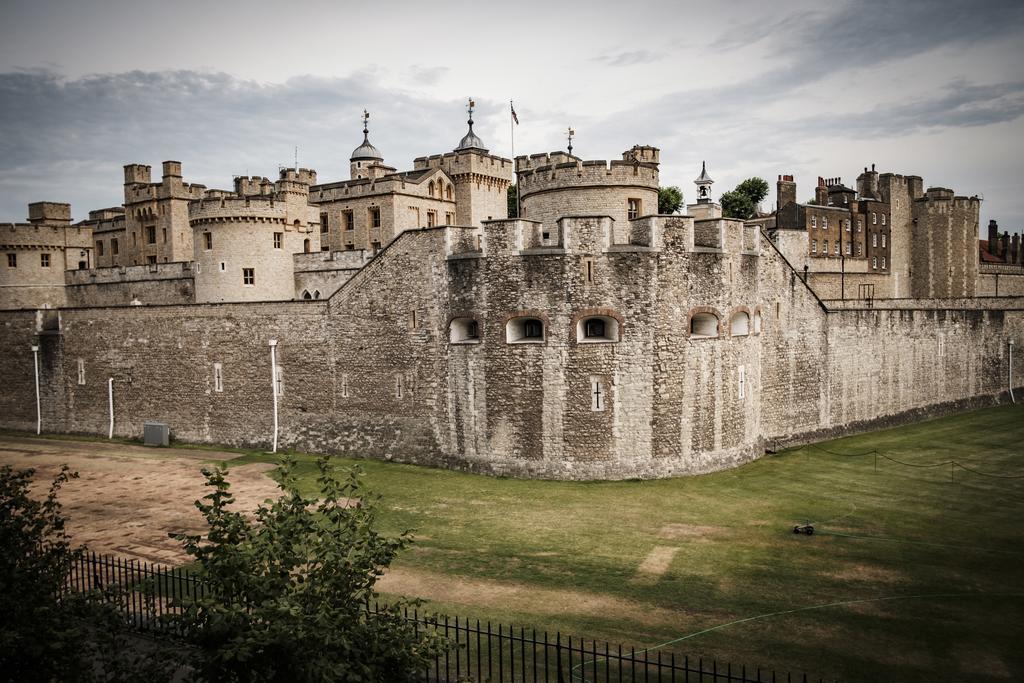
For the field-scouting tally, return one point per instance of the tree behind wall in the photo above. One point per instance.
(742, 201)
(669, 199)
(512, 197)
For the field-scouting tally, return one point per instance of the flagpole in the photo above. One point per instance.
(512, 130)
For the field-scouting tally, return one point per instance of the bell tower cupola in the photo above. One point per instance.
(365, 155)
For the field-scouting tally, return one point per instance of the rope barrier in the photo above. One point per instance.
(945, 463)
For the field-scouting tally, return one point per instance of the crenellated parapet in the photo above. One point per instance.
(558, 184)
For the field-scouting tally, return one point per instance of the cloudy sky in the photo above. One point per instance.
(933, 88)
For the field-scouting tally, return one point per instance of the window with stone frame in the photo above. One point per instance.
(633, 208)
(837, 247)
(207, 241)
(824, 222)
(99, 247)
(374, 217)
(44, 260)
(847, 225)
(278, 238)
(874, 218)
(883, 263)
(883, 239)
(150, 234)
(348, 220)
(431, 218)
(324, 226)
(113, 247)
(883, 219)
(248, 276)
(218, 378)
(874, 239)
(824, 247)
(814, 246)
(814, 221)
(874, 262)
(81, 371)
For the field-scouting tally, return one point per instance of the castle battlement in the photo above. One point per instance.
(44, 236)
(236, 209)
(467, 161)
(563, 171)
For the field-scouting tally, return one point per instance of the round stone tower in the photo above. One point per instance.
(244, 244)
(559, 184)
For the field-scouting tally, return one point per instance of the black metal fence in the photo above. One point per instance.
(481, 652)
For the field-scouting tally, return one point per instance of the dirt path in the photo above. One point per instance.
(128, 498)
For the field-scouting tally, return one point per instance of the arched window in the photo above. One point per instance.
(703, 325)
(306, 295)
(305, 245)
(524, 330)
(316, 294)
(757, 322)
(464, 330)
(739, 324)
(430, 188)
(596, 329)
(448, 193)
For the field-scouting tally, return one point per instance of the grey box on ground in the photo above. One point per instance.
(156, 433)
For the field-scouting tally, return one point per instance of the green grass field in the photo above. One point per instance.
(567, 556)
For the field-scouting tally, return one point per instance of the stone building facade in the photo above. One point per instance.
(589, 339)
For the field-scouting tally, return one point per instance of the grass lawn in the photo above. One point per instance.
(647, 562)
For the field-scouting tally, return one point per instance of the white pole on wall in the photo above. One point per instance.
(273, 385)
(39, 414)
(1009, 352)
(110, 402)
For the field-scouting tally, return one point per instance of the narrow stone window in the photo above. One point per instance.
(305, 246)
(218, 378)
(757, 322)
(375, 217)
(375, 246)
(632, 208)
(598, 397)
(837, 247)
(847, 225)
(344, 385)
(874, 218)
(742, 382)
(349, 220)
(249, 276)
(278, 238)
(874, 239)
(824, 247)
(588, 270)
(848, 249)
(44, 260)
(164, 234)
(883, 263)
(279, 381)
(81, 371)
(99, 248)
(398, 386)
(431, 218)
(150, 234)
(306, 295)
(883, 219)
(824, 222)
(12, 260)
(113, 247)
(524, 330)
(207, 240)
(412, 319)
(814, 221)
(814, 246)
(874, 262)
(739, 324)
(704, 325)
(324, 229)
(223, 266)
(883, 238)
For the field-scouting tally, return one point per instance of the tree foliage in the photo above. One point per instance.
(287, 593)
(742, 201)
(512, 197)
(669, 199)
(48, 633)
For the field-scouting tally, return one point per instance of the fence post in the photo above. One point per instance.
(558, 656)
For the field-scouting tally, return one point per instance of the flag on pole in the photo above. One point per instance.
(514, 117)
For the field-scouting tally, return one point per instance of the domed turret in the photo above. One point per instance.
(365, 154)
(470, 140)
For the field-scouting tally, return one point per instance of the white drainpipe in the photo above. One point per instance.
(110, 402)
(1009, 352)
(39, 414)
(273, 385)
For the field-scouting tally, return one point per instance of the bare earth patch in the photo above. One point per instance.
(689, 531)
(128, 498)
(655, 564)
(510, 595)
(863, 572)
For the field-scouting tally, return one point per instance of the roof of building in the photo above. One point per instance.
(704, 177)
(471, 140)
(985, 256)
(366, 150)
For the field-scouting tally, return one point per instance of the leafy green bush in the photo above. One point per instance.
(287, 593)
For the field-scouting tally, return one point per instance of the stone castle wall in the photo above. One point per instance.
(159, 283)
